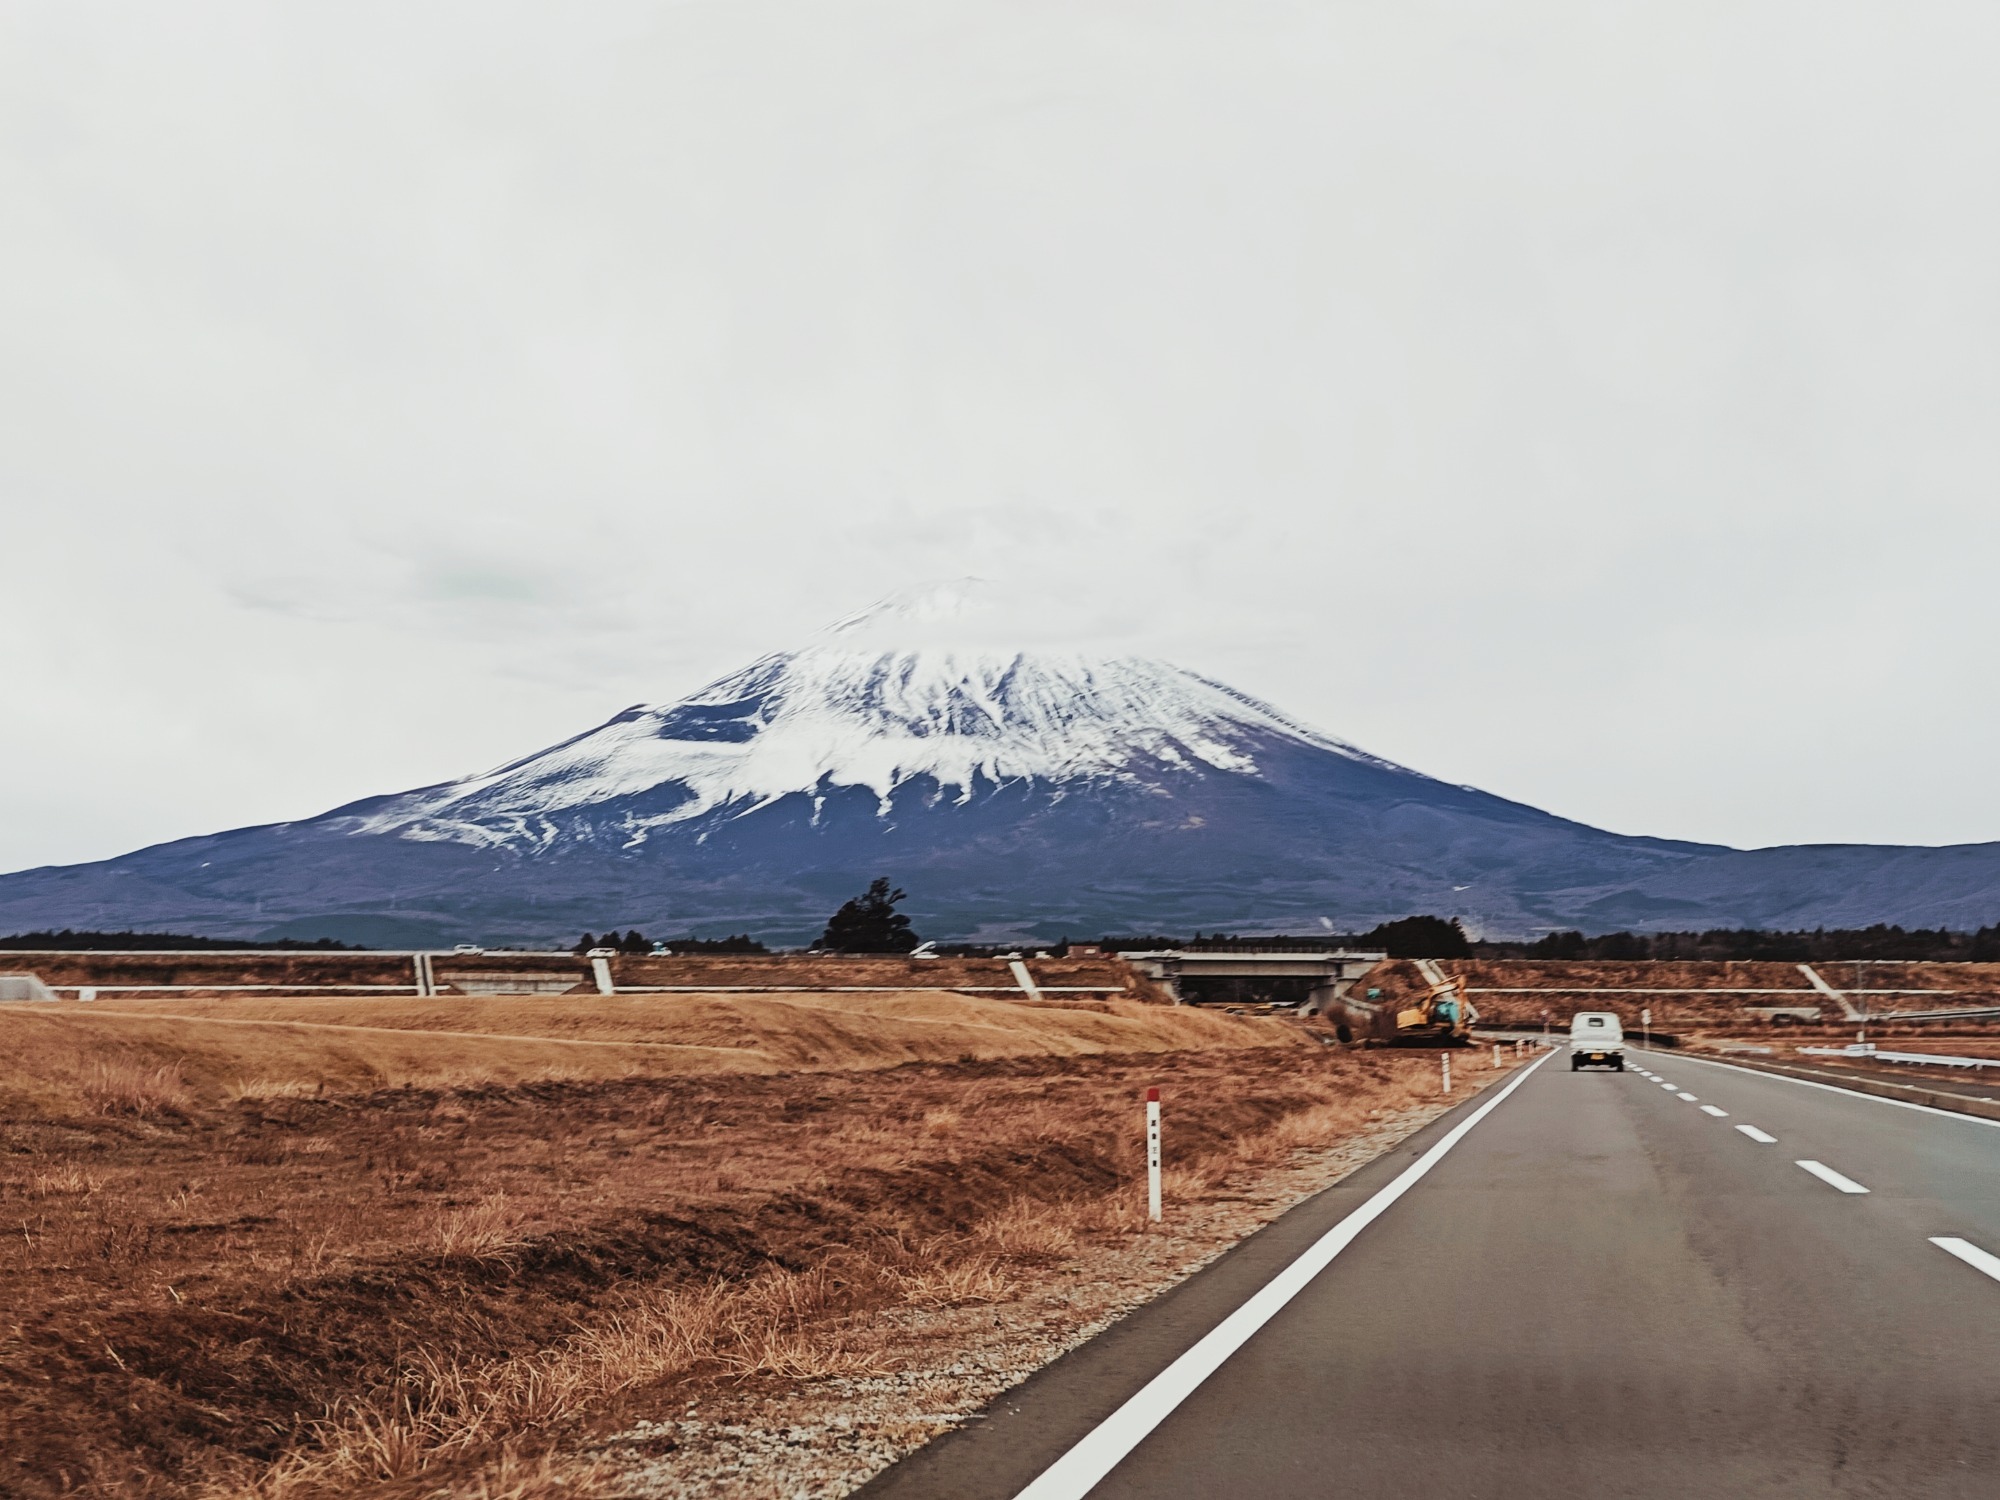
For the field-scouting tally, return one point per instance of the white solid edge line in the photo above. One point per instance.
(1834, 1088)
(1099, 1451)
(1689, 1097)
(1710, 1109)
(1970, 1253)
(1830, 1177)
(1758, 1136)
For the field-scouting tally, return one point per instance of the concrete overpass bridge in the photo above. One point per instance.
(1332, 972)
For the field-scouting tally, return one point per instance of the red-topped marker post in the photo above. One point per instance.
(1153, 1154)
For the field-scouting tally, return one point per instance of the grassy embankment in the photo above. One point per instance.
(337, 1247)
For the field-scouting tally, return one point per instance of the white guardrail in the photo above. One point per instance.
(1933, 1059)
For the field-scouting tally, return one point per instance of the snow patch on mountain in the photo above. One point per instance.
(838, 715)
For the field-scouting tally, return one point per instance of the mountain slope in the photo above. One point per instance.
(1019, 796)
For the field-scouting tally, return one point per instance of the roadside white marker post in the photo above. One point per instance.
(86, 993)
(1153, 1155)
(1646, 1028)
(1496, 1054)
(1445, 1059)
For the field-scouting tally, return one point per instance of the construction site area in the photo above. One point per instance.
(312, 1224)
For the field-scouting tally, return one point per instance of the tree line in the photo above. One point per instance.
(1883, 941)
(635, 941)
(71, 940)
(1441, 937)
(868, 923)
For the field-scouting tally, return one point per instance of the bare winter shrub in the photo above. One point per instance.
(1187, 1184)
(484, 1229)
(1316, 1126)
(123, 1088)
(66, 1181)
(269, 1088)
(955, 1283)
(1029, 1230)
(547, 1476)
(779, 1323)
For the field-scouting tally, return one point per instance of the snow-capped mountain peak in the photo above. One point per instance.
(843, 713)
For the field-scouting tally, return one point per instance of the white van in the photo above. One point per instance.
(1596, 1040)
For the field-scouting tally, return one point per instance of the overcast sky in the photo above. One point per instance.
(1597, 402)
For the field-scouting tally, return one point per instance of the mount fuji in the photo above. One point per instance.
(1018, 795)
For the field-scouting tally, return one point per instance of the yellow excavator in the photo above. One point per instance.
(1441, 1017)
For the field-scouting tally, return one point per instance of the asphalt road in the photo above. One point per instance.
(1603, 1289)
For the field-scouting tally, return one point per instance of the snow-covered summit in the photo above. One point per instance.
(849, 711)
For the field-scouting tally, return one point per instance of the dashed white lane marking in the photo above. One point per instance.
(1830, 1177)
(1970, 1253)
(1710, 1109)
(1669, 1087)
(1688, 1097)
(1834, 1088)
(1758, 1136)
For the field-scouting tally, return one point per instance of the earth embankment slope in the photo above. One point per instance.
(224, 1047)
(473, 973)
(404, 1245)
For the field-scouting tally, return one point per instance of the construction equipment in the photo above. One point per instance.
(1442, 1017)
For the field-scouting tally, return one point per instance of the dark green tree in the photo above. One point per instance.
(584, 944)
(736, 942)
(1622, 946)
(1420, 937)
(870, 923)
(1563, 945)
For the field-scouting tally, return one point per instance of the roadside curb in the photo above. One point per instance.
(1908, 1093)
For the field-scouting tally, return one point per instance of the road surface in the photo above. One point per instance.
(1605, 1287)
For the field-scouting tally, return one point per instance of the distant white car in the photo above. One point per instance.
(1596, 1040)
(467, 948)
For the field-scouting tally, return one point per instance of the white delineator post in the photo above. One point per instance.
(1445, 1059)
(1496, 1054)
(1153, 1154)
(1025, 980)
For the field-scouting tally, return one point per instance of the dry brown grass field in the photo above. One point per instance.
(400, 1247)
(224, 1047)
